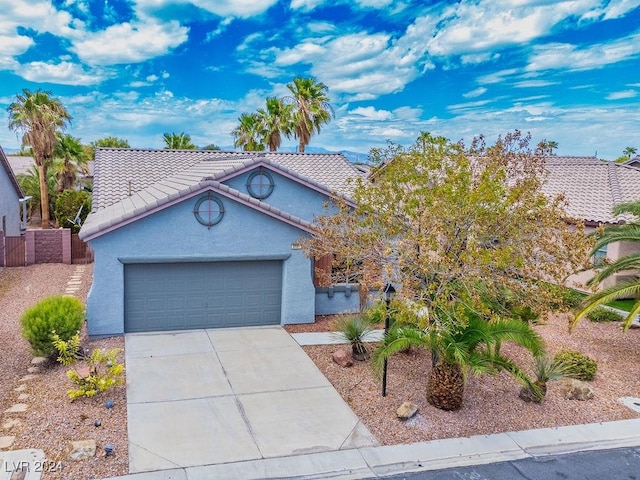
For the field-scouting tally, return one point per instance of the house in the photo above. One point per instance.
(200, 239)
(633, 162)
(11, 197)
(592, 188)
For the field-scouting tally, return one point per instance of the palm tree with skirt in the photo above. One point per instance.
(628, 232)
(39, 117)
(311, 108)
(275, 121)
(247, 135)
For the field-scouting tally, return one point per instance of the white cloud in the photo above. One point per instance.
(14, 45)
(572, 57)
(475, 93)
(497, 77)
(619, 8)
(130, 42)
(63, 73)
(305, 5)
(222, 8)
(534, 83)
(622, 94)
(372, 113)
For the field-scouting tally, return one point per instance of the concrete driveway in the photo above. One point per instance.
(205, 397)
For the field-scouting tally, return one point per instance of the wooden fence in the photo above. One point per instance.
(19, 251)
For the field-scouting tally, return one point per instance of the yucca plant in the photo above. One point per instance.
(459, 349)
(546, 369)
(355, 330)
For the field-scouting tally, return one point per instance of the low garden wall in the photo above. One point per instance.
(341, 298)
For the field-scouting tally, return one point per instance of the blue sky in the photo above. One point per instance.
(567, 71)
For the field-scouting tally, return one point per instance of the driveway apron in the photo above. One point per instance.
(204, 397)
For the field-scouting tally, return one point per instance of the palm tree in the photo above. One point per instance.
(628, 232)
(275, 121)
(39, 117)
(211, 146)
(106, 142)
(548, 146)
(69, 160)
(30, 183)
(629, 152)
(311, 108)
(178, 141)
(474, 347)
(248, 133)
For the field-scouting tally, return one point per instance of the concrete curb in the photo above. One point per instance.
(388, 460)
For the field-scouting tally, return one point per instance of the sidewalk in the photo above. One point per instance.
(397, 459)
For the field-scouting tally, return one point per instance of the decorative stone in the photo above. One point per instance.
(23, 396)
(11, 423)
(26, 378)
(17, 408)
(343, 358)
(576, 390)
(79, 450)
(109, 404)
(83, 371)
(6, 442)
(407, 410)
(39, 360)
(33, 369)
(21, 388)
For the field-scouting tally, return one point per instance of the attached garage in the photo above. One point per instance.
(179, 296)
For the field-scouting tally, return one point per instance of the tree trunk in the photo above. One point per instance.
(301, 147)
(44, 194)
(445, 388)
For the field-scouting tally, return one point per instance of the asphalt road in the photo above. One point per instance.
(617, 464)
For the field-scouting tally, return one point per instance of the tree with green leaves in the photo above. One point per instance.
(39, 117)
(211, 146)
(548, 146)
(465, 230)
(248, 134)
(311, 108)
(178, 141)
(30, 184)
(627, 232)
(275, 121)
(106, 142)
(69, 161)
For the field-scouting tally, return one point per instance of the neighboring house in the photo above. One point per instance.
(10, 199)
(22, 163)
(200, 239)
(592, 188)
(633, 162)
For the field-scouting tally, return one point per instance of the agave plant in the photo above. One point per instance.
(473, 347)
(355, 330)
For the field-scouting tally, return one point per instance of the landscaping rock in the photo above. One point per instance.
(28, 377)
(83, 371)
(17, 408)
(39, 360)
(21, 388)
(23, 396)
(79, 450)
(33, 369)
(11, 423)
(343, 358)
(576, 390)
(407, 410)
(6, 442)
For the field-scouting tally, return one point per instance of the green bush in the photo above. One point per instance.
(578, 364)
(603, 314)
(67, 206)
(53, 315)
(104, 372)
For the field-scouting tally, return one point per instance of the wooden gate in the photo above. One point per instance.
(15, 252)
(81, 252)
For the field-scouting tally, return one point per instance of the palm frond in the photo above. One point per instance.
(624, 290)
(396, 340)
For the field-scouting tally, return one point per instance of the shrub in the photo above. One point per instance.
(68, 351)
(356, 331)
(103, 373)
(53, 315)
(67, 206)
(603, 314)
(578, 364)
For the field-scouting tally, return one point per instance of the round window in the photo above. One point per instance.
(260, 184)
(209, 210)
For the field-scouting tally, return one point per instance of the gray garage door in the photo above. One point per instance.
(177, 296)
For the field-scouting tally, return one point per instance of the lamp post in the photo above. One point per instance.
(388, 294)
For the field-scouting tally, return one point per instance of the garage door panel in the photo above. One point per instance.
(174, 296)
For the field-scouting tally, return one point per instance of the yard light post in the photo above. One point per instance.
(388, 294)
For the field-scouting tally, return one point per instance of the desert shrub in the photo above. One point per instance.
(603, 314)
(375, 314)
(567, 298)
(68, 351)
(67, 206)
(578, 364)
(356, 331)
(103, 373)
(53, 315)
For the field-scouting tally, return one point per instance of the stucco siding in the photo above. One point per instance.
(9, 205)
(174, 234)
(287, 195)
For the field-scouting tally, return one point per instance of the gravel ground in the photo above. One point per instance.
(491, 403)
(52, 419)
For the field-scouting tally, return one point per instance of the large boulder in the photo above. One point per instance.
(407, 410)
(573, 389)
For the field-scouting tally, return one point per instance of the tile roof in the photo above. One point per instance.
(4, 162)
(592, 187)
(130, 183)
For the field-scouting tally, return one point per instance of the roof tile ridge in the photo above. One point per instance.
(614, 184)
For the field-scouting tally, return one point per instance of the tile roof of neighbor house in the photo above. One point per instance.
(592, 187)
(130, 183)
(4, 162)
